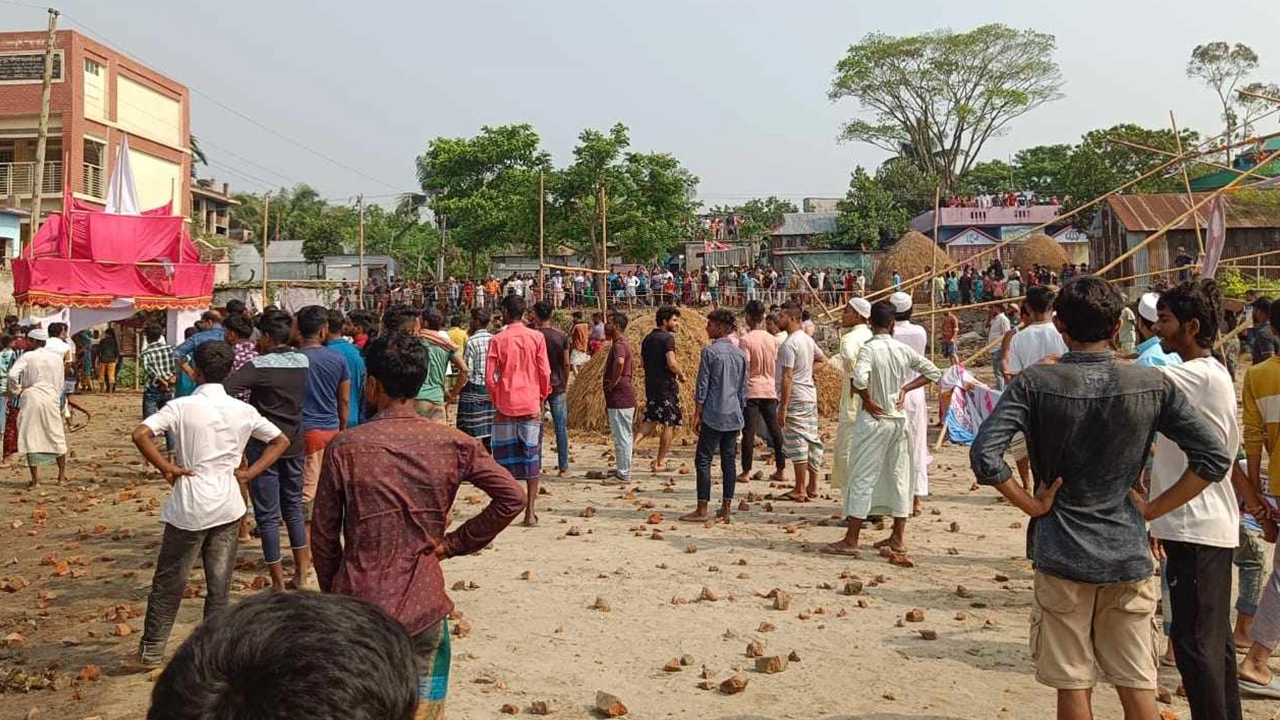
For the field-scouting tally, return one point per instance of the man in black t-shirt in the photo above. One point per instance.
(558, 358)
(662, 378)
(1262, 342)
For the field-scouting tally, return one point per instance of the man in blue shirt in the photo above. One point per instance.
(342, 345)
(325, 401)
(210, 328)
(720, 395)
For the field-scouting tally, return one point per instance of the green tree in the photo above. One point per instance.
(945, 94)
(1043, 169)
(757, 216)
(910, 187)
(1221, 66)
(992, 176)
(1253, 106)
(1098, 166)
(485, 187)
(869, 217)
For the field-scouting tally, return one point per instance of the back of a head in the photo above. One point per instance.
(722, 317)
(210, 316)
(619, 320)
(311, 320)
(152, 331)
(1274, 316)
(1039, 298)
(291, 655)
(1089, 309)
(883, 315)
(235, 307)
(396, 317)
(1195, 300)
(513, 308)
(542, 310)
(240, 325)
(56, 329)
(398, 362)
(337, 322)
(214, 359)
(432, 318)
(754, 311)
(1262, 305)
(480, 318)
(277, 325)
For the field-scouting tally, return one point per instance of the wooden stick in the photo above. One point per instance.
(912, 282)
(1166, 271)
(1251, 172)
(604, 247)
(266, 218)
(1234, 332)
(542, 254)
(570, 268)
(1248, 257)
(971, 306)
(1186, 183)
(983, 351)
(1166, 153)
(933, 277)
(816, 297)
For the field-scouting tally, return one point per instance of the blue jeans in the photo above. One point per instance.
(995, 367)
(277, 494)
(1248, 559)
(153, 398)
(709, 441)
(560, 417)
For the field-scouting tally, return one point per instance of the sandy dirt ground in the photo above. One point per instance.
(75, 564)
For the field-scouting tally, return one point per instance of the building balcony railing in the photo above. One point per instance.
(95, 184)
(18, 178)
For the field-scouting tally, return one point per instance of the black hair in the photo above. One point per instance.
(792, 308)
(152, 331)
(754, 311)
(235, 306)
(665, 313)
(542, 310)
(1196, 300)
(55, 329)
(1262, 305)
(337, 322)
(210, 316)
(455, 320)
(5, 341)
(723, 317)
(240, 325)
(481, 317)
(619, 320)
(362, 319)
(1274, 316)
(1040, 299)
(399, 362)
(186, 334)
(1088, 307)
(277, 325)
(513, 307)
(883, 314)
(395, 317)
(214, 359)
(432, 318)
(577, 315)
(311, 320)
(110, 332)
(296, 655)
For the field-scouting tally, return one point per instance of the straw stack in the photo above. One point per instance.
(911, 256)
(1039, 249)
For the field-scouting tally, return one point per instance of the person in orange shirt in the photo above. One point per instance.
(491, 294)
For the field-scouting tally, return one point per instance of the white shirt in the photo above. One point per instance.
(862, 282)
(212, 430)
(885, 364)
(913, 336)
(1034, 343)
(1212, 517)
(797, 353)
(61, 347)
(999, 326)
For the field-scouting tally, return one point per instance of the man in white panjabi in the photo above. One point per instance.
(36, 378)
(879, 478)
(854, 319)
(917, 406)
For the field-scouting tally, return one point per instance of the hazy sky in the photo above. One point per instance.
(735, 89)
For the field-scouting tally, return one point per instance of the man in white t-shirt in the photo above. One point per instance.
(998, 325)
(1199, 538)
(915, 404)
(1034, 342)
(202, 516)
(798, 402)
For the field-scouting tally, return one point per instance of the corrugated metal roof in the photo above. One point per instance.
(285, 251)
(812, 223)
(1148, 213)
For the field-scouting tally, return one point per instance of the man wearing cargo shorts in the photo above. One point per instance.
(1090, 421)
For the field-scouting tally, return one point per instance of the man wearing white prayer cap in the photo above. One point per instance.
(37, 378)
(856, 334)
(916, 407)
(1149, 351)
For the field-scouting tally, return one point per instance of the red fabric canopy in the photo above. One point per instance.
(100, 257)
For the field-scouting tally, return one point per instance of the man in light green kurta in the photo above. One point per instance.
(854, 320)
(879, 474)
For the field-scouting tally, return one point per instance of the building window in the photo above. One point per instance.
(92, 67)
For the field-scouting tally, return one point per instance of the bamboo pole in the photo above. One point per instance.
(815, 294)
(42, 132)
(1186, 183)
(542, 253)
(933, 278)
(1222, 340)
(1251, 172)
(970, 306)
(1247, 257)
(360, 276)
(912, 282)
(1166, 153)
(983, 351)
(604, 248)
(266, 217)
(570, 268)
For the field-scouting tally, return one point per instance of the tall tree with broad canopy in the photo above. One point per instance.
(944, 94)
(761, 215)
(869, 218)
(1222, 66)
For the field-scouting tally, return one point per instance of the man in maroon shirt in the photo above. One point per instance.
(378, 526)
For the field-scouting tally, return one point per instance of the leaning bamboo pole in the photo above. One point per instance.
(816, 296)
(1186, 183)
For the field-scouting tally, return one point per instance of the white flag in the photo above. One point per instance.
(1216, 237)
(122, 196)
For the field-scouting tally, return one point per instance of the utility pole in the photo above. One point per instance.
(444, 224)
(604, 249)
(542, 252)
(360, 277)
(42, 135)
(266, 218)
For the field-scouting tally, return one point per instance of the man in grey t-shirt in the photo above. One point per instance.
(798, 402)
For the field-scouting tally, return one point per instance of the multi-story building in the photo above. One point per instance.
(97, 96)
(211, 208)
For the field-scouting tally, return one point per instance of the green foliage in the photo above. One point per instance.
(761, 214)
(1098, 165)
(1234, 283)
(1221, 66)
(910, 187)
(869, 218)
(943, 94)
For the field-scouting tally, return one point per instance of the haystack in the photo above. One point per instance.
(1039, 249)
(586, 399)
(912, 255)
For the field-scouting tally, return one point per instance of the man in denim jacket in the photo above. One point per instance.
(1089, 421)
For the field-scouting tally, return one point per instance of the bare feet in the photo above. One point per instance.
(744, 476)
(530, 521)
(563, 473)
(840, 548)
(888, 542)
(794, 496)
(695, 516)
(917, 508)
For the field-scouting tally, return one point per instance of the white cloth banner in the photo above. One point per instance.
(122, 194)
(1216, 237)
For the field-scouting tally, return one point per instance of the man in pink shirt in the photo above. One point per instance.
(761, 349)
(518, 377)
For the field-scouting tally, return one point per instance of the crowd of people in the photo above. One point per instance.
(1121, 422)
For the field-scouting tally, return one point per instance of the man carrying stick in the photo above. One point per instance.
(880, 478)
